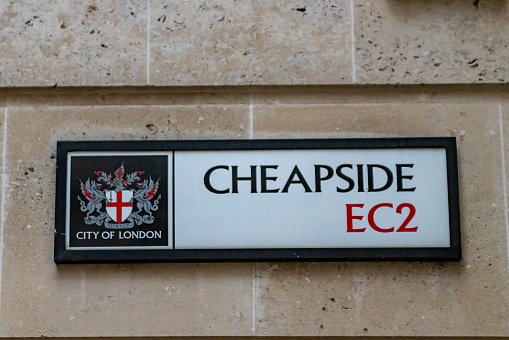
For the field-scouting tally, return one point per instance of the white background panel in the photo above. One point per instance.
(309, 220)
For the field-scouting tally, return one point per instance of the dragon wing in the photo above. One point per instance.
(87, 191)
(152, 189)
(90, 192)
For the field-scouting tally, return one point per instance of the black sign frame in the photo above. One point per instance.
(451, 253)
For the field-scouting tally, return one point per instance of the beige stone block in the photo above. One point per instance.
(73, 43)
(40, 298)
(431, 41)
(250, 42)
(128, 96)
(406, 298)
(2, 170)
(367, 94)
(2, 129)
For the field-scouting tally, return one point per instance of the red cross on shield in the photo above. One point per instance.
(119, 204)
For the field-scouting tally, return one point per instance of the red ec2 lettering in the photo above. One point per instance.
(403, 228)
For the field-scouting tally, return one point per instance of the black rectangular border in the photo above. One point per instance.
(452, 253)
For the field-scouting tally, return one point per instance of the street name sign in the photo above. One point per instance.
(257, 200)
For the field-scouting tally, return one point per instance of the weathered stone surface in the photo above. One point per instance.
(245, 42)
(42, 299)
(363, 299)
(73, 43)
(407, 94)
(404, 299)
(431, 41)
(250, 42)
(132, 96)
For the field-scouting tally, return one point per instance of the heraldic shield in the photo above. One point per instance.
(119, 204)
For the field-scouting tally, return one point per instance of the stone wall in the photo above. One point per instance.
(160, 69)
(264, 42)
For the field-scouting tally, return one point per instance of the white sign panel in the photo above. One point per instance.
(311, 198)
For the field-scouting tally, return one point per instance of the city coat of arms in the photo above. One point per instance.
(119, 200)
